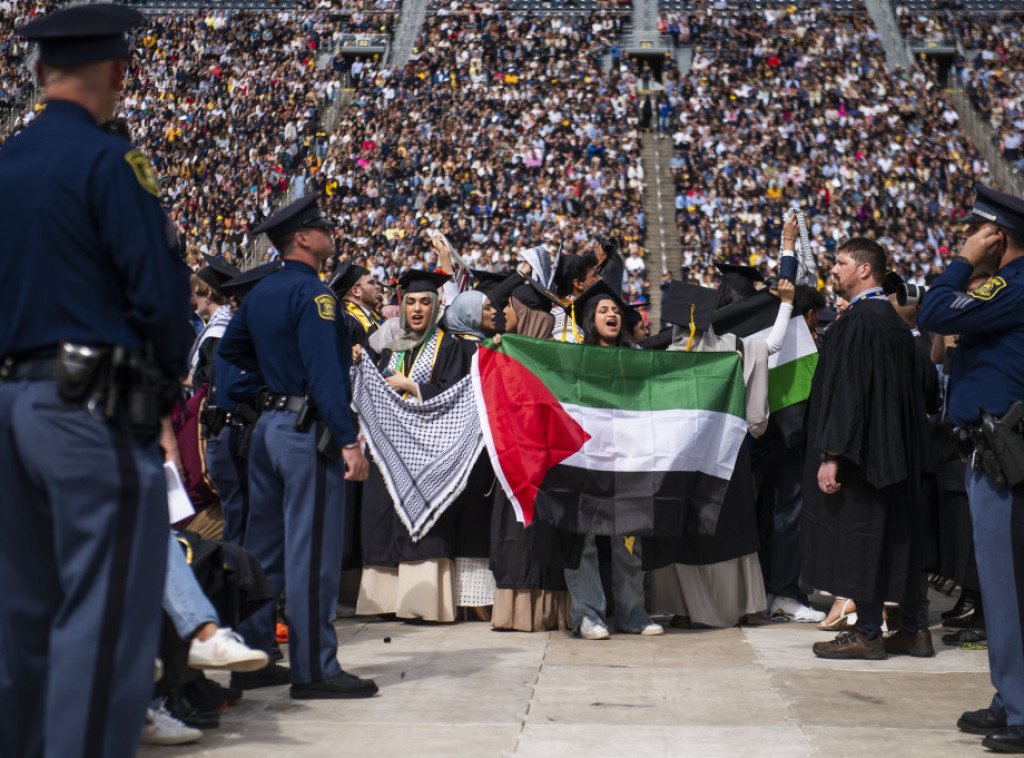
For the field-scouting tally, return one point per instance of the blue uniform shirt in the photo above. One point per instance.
(88, 253)
(234, 386)
(288, 330)
(988, 368)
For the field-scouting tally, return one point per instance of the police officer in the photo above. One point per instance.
(988, 376)
(288, 330)
(93, 337)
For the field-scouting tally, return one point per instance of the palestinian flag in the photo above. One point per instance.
(611, 440)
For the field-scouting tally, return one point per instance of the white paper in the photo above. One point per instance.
(179, 506)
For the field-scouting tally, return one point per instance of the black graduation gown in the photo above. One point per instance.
(385, 540)
(865, 541)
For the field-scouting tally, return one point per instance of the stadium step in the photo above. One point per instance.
(662, 239)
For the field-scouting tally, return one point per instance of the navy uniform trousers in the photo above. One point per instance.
(83, 554)
(296, 530)
(998, 516)
(231, 478)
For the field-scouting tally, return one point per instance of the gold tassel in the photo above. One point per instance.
(693, 327)
(630, 543)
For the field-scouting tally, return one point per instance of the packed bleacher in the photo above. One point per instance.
(548, 153)
(783, 108)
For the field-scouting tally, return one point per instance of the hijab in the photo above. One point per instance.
(465, 313)
(409, 338)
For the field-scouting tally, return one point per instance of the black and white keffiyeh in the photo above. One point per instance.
(425, 451)
(807, 266)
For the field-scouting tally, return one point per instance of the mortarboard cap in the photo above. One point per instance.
(597, 292)
(633, 316)
(531, 294)
(689, 302)
(294, 216)
(416, 280)
(82, 34)
(741, 278)
(997, 207)
(892, 283)
(217, 272)
(245, 281)
(487, 280)
(346, 277)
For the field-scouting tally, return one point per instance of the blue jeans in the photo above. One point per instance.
(184, 600)
(588, 600)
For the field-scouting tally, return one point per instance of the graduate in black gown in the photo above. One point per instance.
(414, 580)
(862, 528)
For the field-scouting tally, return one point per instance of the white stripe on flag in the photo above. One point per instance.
(672, 440)
(797, 344)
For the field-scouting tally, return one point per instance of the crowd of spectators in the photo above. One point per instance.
(17, 82)
(504, 131)
(785, 109)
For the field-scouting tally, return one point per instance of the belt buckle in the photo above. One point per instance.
(6, 368)
(281, 403)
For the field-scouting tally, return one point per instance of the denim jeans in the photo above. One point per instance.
(184, 600)
(588, 598)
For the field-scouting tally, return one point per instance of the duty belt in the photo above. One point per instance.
(290, 403)
(28, 370)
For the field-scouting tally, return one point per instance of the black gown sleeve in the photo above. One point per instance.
(453, 363)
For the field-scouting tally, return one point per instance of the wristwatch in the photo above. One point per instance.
(829, 458)
(350, 446)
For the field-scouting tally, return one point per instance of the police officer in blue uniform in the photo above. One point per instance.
(229, 417)
(289, 330)
(93, 338)
(988, 377)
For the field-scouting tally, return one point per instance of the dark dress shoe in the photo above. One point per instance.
(852, 644)
(341, 686)
(210, 696)
(972, 635)
(984, 721)
(1009, 739)
(965, 605)
(270, 675)
(917, 644)
(179, 705)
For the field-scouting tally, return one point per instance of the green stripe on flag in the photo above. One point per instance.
(632, 380)
(790, 383)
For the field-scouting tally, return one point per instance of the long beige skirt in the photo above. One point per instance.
(718, 595)
(415, 590)
(531, 611)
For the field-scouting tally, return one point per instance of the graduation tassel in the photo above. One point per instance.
(693, 327)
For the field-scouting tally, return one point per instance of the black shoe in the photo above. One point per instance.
(341, 686)
(972, 636)
(210, 696)
(965, 605)
(973, 618)
(270, 675)
(984, 721)
(179, 705)
(1010, 739)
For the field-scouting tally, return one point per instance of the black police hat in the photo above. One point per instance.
(997, 207)
(245, 281)
(82, 34)
(687, 304)
(297, 215)
(417, 280)
(217, 272)
(741, 278)
(346, 277)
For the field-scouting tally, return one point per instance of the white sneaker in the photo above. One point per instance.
(591, 630)
(164, 729)
(225, 650)
(653, 629)
(788, 609)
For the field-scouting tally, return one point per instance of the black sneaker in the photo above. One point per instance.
(181, 706)
(270, 675)
(341, 686)
(965, 606)
(210, 696)
(972, 636)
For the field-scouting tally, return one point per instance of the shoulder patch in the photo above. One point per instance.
(989, 289)
(326, 306)
(143, 171)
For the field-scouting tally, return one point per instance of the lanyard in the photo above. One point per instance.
(874, 292)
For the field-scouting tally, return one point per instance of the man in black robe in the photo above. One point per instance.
(861, 535)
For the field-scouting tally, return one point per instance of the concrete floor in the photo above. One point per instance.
(464, 690)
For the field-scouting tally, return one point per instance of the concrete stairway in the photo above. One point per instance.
(404, 39)
(897, 54)
(662, 243)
